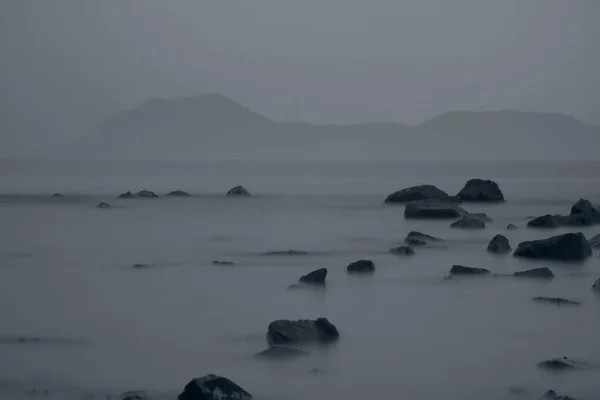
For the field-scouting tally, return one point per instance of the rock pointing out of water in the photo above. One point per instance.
(596, 285)
(595, 242)
(103, 205)
(499, 245)
(419, 192)
(583, 213)
(561, 364)
(469, 222)
(304, 331)
(238, 191)
(548, 221)
(420, 239)
(279, 352)
(468, 271)
(286, 253)
(213, 387)
(146, 194)
(361, 267)
(432, 209)
(511, 227)
(480, 190)
(57, 195)
(552, 395)
(544, 272)
(567, 247)
(223, 263)
(178, 193)
(559, 301)
(316, 277)
(402, 251)
(135, 395)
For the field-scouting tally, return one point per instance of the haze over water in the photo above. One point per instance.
(66, 277)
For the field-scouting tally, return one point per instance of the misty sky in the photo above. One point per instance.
(69, 64)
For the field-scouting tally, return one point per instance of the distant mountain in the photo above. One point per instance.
(214, 126)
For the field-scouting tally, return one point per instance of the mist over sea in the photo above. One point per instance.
(67, 278)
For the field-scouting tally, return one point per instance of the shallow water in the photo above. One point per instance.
(66, 277)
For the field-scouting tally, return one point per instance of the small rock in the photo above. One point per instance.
(499, 245)
(419, 192)
(511, 227)
(223, 263)
(480, 190)
(126, 195)
(420, 239)
(286, 332)
(547, 221)
(316, 277)
(561, 364)
(140, 266)
(146, 194)
(552, 395)
(103, 205)
(566, 247)
(361, 267)
(462, 270)
(596, 285)
(281, 352)
(559, 301)
(543, 272)
(286, 253)
(135, 395)
(468, 222)
(432, 209)
(238, 191)
(595, 242)
(178, 193)
(403, 251)
(213, 387)
(57, 195)
(517, 391)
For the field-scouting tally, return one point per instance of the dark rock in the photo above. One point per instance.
(134, 395)
(595, 242)
(286, 332)
(462, 270)
(403, 251)
(178, 193)
(146, 194)
(548, 221)
(420, 239)
(57, 195)
(566, 247)
(561, 364)
(286, 253)
(543, 272)
(432, 209)
(559, 301)
(223, 263)
(103, 205)
(281, 352)
(468, 222)
(482, 216)
(316, 277)
(552, 395)
(596, 285)
(419, 192)
(499, 245)
(511, 227)
(140, 266)
(126, 195)
(361, 267)
(584, 213)
(213, 387)
(479, 190)
(238, 191)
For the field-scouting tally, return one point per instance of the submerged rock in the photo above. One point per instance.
(286, 253)
(57, 195)
(552, 395)
(499, 245)
(420, 239)
(103, 205)
(566, 247)
(480, 190)
(511, 227)
(543, 272)
(223, 263)
(559, 301)
(561, 364)
(469, 222)
(462, 270)
(287, 332)
(403, 251)
(178, 193)
(281, 352)
(316, 277)
(126, 195)
(596, 285)
(134, 395)
(432, 209)
(361, 267)
(419, 192)
(238, 191)
(140, 266)
(548, 221)
(213, 387)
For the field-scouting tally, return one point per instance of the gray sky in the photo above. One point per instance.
(71, 63)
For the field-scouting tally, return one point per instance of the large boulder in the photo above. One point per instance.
(238, 191)
(468, 271)
(469, 222)
(361, 267)
(543, 272)
(566, 247)
(419, 192)
(316, 277)
(288, 332)
(480, 190)
(499, 245)
(433, 209)
(213, 387)
(583, 213)
(420, 239)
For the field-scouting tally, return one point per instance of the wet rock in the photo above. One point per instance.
(595, 242)
(316, 277)
(286, 253)
(548, 221)
(57, 195)
(468, 271)
(238, 191)
(134, 395)
(282, 352)
(146, 194)
(480, 190)
(511, 227)
(499, 245)
(559, 301)
(596, 285)
(552, 395)
(543, 272)
(583, 213)
(566, 247)
(223, 263)
(213, 387)
(561, 364)
(288, 332)
(126, 195)
(361, 267)
(419, 192)
(468, 222)
(178, 193)
(103, 205)
(432, 209)
(420, 239)
(403, 251)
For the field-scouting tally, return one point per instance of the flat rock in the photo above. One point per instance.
(420, 239)
(316, 277)
(213, 387)
(103, 205)
(238, 191)
(288, 332)
(433, 209)
(178, 193)
(480, 190)
(419, 192)
(279, 352)
(561, 364)
(223, 263)
(469, 271)
(286, 253)
(499, 245)
(566, 247)
(559, 301)
(361, 267)
(403, 251)
(543, 272)
(469, 222)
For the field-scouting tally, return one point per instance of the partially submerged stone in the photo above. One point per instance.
(433, 209)
(566, 247)
(103, 205)
(552, 395)
(468, 271)
(213, 387)
(361, 267)
(583, 213)
(402, 251)
(419, 192)
(480, 190)
(499, 245)
(279, 352)
(134, 395)
(543, 272)
(178, 193)
(595, 242)
(511, 227)
(559, 301)
(469, 222)
(561, 364)
(289, 332)
(596, 285)
(223, 263)
(238, 191)
(57, 195)
(316, 277)
(141, 194)
(420, 239)
(286, 253)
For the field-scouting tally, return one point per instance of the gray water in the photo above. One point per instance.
(66, 277)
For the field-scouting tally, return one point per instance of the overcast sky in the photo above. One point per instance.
(69, 64)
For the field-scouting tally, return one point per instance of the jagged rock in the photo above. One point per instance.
(281, 352)
(238, 191)
(432, 209)
(316, 277)
(583, 213)
(419, 192)
(543, 272)
(561, 364)
(420, 239)
(286, 253)
(134, 395)
(559, 301)
(566, 247)
(511, 227)
(178, 193)
(499, 245)
(213, 387)
(468, 222)
(548, 221)
(103, 205)
(403, 251)
(286, 332)
(462, 270)
(223, 263)
(479, 190)
(595, 242)
(361, 267)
